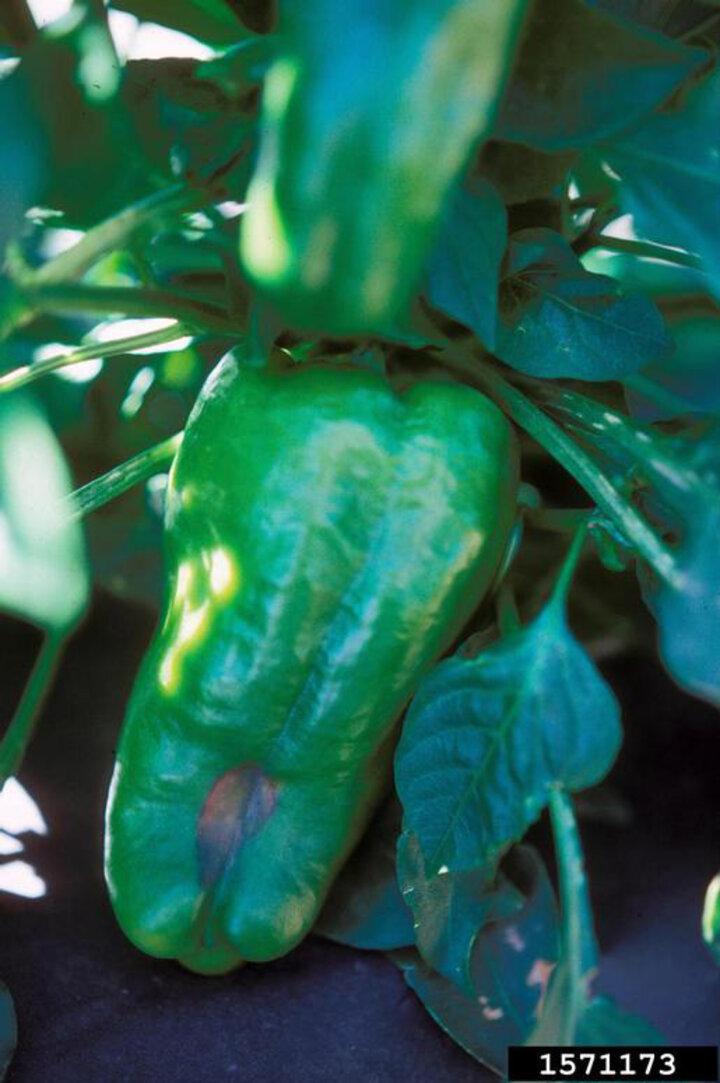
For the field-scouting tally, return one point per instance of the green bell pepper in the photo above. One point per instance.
(327, 538)
(371, 111)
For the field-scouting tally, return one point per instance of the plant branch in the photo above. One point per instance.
(21, 727)
(575, 460)
(575, 909)
(117, 481)
(105, 237)
(130, 301)
(644, 249)
(93, 351)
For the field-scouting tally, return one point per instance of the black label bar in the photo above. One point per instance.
(613, 1064)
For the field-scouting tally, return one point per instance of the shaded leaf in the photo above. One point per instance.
(187, 123)
(557, 319)
(464, 267)
(688, 608)
(603, 1023)
(66, 91)
(486, 738)
(583, 75)
(670, 172)
(42, 560)
(8, 1029)
(670, 16)
(23, 153)
(522, 174)
(365, 908)
(691, 373)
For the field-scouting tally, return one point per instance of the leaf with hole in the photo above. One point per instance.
(557, 319)
(512, 960)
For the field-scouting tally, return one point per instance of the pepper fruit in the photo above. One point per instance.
(327, 538)
(371, 111)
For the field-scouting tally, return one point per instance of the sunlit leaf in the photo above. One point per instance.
(670, 173)
(42, 560)
(711, 918)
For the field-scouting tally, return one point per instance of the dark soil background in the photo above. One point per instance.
(92, 1009)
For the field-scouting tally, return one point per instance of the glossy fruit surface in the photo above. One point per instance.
(327, 538)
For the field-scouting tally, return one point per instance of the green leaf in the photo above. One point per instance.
(365, 908)
(42, 562)
(567, 995)
(603, 1023)
(691, 374)
(671, 16)
(670, 173)
(487, 738)
(557, 319)
(711, 918)
(512, 960)
(582, 76)
(22, 143)
(521, 174)
(687, 609)
(486, 741)
(8, 1029)
(464, 267)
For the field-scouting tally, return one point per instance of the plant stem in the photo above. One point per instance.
(575, 460)
(562, 584)
(117, 481)
(18, 734)
(645, 249)
(506, 608)
(26, 374)
(128, 301)
(701, 27)
(577, 934)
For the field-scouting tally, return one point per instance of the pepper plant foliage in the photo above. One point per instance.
(520, 195)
